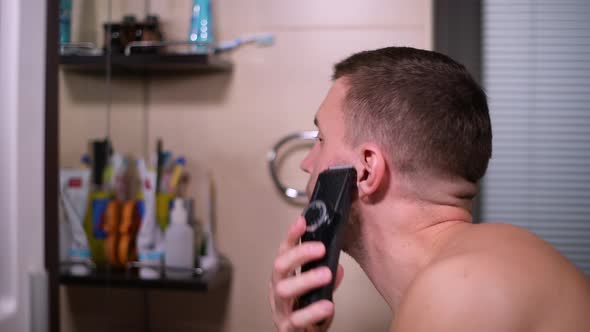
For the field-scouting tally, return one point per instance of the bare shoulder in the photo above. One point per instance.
(497, 278)
(457, 294)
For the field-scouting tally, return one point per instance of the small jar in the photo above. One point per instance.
(150, 32)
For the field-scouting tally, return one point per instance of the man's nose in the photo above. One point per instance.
(306, 163)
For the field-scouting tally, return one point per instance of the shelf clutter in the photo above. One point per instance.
(130, 222)
(134, 45)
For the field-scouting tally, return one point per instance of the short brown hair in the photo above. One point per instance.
(422, 106)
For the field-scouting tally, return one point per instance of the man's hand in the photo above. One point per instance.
(286, 287)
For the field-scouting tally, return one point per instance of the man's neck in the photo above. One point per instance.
(398, 243)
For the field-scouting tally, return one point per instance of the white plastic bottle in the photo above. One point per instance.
(179, 256)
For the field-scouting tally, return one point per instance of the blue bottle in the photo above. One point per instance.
(201, 31)
(65, 19)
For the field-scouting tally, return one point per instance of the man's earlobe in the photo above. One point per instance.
(371, 171)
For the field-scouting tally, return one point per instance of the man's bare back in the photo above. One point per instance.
(496, 277)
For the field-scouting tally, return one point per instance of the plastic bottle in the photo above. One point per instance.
(65, 18)
(201, 31)
(179, 254)
(150, 239)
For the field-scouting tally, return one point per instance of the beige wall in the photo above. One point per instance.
(228, 123)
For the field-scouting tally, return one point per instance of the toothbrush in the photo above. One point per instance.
(261, 40)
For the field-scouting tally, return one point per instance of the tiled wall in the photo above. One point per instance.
(228, 123)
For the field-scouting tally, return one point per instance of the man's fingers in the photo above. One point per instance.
(295, 231)
(303, 283)
(339, 276)
(312, 314)
(290, 260)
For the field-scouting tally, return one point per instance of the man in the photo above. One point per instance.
(415, 126)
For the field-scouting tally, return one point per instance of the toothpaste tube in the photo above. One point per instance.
(74, 190)
(150, 240)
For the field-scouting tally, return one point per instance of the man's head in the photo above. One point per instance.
(419, 111)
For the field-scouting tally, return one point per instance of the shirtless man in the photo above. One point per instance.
(415, 126)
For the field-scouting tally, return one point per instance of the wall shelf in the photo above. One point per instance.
(102, 278)
(177, 63)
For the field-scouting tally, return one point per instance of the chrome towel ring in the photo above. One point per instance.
(289, 192)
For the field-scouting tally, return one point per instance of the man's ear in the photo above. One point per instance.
(371, 170)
